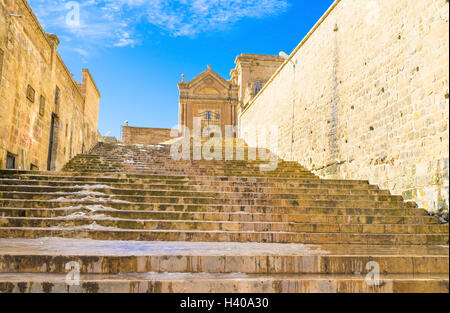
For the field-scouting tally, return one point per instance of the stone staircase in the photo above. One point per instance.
(161, 225)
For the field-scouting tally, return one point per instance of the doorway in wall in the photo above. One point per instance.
(10, 161)
(51, 146)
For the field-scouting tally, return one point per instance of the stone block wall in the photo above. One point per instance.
(145, 136)
(31, 75)
(368, 98)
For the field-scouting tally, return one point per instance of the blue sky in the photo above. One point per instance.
(137, 49)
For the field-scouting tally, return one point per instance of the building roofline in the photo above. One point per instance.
(304, 40)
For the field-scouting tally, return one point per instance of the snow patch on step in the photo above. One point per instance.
(93, 186)
(92, 226)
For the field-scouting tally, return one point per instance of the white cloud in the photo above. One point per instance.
(116, 22)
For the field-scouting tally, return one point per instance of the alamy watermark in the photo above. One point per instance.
(208, 143)
(73, 276)
(373, 276)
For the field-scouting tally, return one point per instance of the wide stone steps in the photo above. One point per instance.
(204, 191)
(12, 184)
(43, 193)
(253, 263)
(178, 179)
(118, 204)
(50, 255)
(191, 181)
(215, 216)
(137, 221)
(226, 283)
(142, 224)
(164, 171)
(340, 202)
(248, 264)
(94, 231)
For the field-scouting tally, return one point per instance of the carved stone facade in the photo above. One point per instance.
(209, 97)
(46, 117)
(217, 101)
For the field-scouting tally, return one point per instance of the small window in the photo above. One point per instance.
(207, 115)
(1, 65)
(10, 161)
(30, 93)
(42, 106)
(258, 86)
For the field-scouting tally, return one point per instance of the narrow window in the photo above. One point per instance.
(207, 115)
(258, 86)
(42, 106)
(30, 93)
(10, 161)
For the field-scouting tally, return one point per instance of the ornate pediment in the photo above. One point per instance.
(208, 83)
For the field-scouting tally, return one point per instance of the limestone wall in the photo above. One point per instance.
(31, 65)
(145, 136)
(368, 97)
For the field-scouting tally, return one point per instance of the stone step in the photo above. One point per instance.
(301, 201)
(215, 164)
(83, 160)
(308, 184)
(235, 263)
(161, 172)
(136, 220)
(192, 163)
(121, 205)
(292, 227)
(135, 177)
(305, 194)
(223, 283)
(168, 166)
(94, 231)
(212, 216)
(50, 255)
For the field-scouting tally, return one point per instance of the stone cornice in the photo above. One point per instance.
(87, 72)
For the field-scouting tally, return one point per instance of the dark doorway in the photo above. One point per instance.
(10, 161)
(50, 145)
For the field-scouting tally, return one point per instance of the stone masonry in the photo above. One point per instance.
(36, 87)
(143, 135)
(160, 225)
(368, 98)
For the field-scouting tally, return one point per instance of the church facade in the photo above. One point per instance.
(218, 102)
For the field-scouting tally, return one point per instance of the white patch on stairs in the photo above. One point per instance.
(92, 226)
(88, 196)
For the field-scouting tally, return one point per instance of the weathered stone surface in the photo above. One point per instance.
(146, 136)
(161, 225)
(369, 94)
(29, 61)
